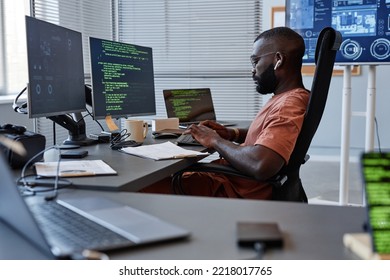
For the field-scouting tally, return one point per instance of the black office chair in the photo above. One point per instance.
(287, 185)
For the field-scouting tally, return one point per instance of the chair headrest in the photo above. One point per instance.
(335, 40)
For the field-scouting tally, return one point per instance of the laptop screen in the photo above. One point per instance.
(376, 176)
(189, 105)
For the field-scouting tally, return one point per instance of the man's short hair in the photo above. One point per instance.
(286, 34)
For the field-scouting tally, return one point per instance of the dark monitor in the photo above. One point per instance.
(122, 79)
(56, 86)
(363, 24)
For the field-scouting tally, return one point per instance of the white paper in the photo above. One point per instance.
(74, 168)
(166, 150)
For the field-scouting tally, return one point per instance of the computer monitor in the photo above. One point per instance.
(364, 25)
(122, 79)
(56, 88)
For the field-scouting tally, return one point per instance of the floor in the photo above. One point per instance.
(321, 180)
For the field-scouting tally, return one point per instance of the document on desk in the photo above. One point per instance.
(166, 150)
(74, 168)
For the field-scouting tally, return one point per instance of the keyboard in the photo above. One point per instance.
(187, 124)
(187, 139)
(67, 229)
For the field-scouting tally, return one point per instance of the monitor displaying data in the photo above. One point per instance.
(363, 24)
(55, 69)
(122, 79)
(56, 88)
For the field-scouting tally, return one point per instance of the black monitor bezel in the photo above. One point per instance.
(80, 104)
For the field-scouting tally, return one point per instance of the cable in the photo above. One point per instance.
(37, 187)
(55, 191)
(377, 134)
(119, 141)
(54, 134)
(22, 108)
(260, 249)
(90, 114)
(23, 176)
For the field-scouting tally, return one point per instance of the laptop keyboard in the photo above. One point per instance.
(187, 139)
(65, 228)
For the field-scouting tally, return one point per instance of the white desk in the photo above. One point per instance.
(310, 231)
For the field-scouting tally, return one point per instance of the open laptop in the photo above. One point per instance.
(190, 106)
(375, 169)
(130, 226)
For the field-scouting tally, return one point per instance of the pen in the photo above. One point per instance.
(75, 173)
(183, 156)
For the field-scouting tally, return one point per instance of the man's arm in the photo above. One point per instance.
(257, 161)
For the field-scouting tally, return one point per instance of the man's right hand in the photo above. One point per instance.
(220, 129)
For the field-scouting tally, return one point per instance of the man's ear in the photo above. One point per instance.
(279, 61)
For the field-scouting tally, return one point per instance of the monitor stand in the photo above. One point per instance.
(76, 128)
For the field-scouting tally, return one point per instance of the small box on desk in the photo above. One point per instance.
(161, 124)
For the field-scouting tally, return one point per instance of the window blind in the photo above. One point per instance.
(2, 52)
(198, 43)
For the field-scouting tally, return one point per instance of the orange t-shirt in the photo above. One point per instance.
(276, 127)
(278, 124)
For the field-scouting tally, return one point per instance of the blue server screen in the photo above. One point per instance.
(364, 25)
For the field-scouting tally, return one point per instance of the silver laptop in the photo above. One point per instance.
(128, 226)
(191, 106)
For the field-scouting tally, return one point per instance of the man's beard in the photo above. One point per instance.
(266, 83)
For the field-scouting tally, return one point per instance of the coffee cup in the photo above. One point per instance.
(137, 130)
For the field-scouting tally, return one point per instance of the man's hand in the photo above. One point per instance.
(220, 129)
(203, 134)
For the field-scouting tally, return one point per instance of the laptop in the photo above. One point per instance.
(191, 106)
(375, 169)
(129, 226)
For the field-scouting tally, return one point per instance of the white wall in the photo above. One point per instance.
(328, 135)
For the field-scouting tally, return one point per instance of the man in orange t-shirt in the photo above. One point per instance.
(265, 147)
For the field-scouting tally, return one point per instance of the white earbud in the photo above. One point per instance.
(277, 65)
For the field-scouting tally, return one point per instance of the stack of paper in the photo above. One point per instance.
(166, 150)
(74, 168)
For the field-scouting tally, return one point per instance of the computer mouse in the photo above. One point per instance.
(164, 135)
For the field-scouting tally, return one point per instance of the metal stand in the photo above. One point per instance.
(346, 123)
(345, 137)
(370, 109)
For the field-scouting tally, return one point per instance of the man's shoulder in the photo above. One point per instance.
(294, 95)
(297, 91)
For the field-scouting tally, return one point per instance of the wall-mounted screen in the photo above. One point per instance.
(122, 79)
(364, 25)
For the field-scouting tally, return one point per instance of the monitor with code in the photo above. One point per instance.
(376, 175)
(122, 79)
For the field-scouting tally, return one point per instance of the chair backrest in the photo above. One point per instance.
(327, 46)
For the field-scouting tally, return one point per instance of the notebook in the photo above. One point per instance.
(375, 169)
(130, 226)
(191, 106)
